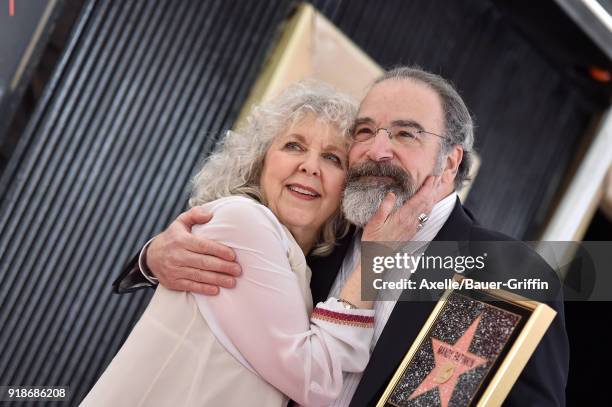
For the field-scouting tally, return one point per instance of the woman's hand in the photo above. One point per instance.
(401, 224)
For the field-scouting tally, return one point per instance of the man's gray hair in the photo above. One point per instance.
(458, 124)
(234, 168)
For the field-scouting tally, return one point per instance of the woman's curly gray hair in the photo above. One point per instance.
(234, 168)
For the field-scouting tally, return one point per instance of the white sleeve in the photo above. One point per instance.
(265, 318)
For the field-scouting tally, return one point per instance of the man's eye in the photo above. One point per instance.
(407, 134)
(294, 146)
(364, 130)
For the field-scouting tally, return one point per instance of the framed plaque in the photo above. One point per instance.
(471, 350)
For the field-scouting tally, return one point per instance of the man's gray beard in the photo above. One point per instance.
(362, 197)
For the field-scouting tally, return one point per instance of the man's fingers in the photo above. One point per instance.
(206, 277)
(377, 223)
(195, 287)
(385, 208)
(428, 187)
(194, 216)
(422, 199)
(208, 263)
(421, 202)
(197, 244)
(201, 245)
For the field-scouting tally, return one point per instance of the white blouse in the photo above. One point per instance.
(263, 328)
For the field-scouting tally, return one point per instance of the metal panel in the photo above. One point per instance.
(143, 90)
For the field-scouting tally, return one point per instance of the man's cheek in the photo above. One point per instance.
(355, 152)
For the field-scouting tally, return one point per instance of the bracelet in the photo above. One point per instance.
(150, 275)
(347, 304)
(145, 268)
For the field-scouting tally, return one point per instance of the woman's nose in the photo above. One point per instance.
(311, 165)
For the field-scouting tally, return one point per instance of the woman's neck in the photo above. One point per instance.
(305, 237)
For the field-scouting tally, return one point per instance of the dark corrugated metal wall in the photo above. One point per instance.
(145, 87)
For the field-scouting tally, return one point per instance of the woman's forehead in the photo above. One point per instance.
(317, 128)
(324, 134)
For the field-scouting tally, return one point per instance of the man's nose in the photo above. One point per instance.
(311, 164)
(381, 148)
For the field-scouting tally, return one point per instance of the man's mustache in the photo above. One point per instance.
(378, 169)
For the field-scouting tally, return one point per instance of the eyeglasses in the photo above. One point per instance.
(403, 135)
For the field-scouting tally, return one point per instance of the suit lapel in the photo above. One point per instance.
(404, 324)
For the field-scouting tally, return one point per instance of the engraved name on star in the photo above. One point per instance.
(451, 361)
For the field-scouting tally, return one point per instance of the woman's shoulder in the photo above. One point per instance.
(244, 213)
(239, 205)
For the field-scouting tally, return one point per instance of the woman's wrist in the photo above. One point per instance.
(347, 304)
(351, 292)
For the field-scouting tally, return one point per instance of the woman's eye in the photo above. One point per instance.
(293, 146)
(333, 158)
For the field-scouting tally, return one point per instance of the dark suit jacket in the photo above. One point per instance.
(542, 382)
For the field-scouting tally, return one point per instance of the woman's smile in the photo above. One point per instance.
(301, 191)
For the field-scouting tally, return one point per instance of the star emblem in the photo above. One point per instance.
(451, 361)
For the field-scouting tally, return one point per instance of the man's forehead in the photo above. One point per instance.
(394, 100)
(369, 121)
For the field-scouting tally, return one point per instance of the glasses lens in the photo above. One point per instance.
(406, 135)
(363, 133)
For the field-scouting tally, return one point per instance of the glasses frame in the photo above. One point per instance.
(390, 134)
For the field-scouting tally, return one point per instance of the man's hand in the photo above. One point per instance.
(402, 224)
(185, 262)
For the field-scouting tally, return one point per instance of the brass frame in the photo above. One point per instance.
(508, 372)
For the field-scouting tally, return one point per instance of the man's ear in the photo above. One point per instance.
(453, 159)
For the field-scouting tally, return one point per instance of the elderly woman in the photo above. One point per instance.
(275, 188)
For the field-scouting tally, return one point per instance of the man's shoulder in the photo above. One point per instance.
(508, 257)
(505, 246)
(481, 233)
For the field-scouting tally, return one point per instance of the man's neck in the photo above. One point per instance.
(444, 192)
